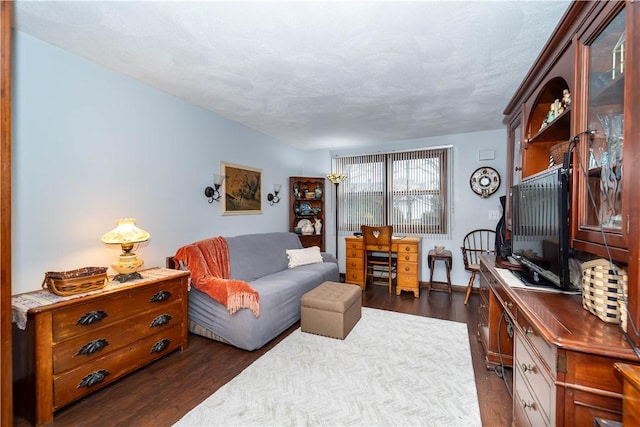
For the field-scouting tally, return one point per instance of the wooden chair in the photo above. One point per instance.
(476, 243)
(380, 261)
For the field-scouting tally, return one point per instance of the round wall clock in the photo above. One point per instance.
(485, 181)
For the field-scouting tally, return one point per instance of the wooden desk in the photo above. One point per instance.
(563, 357)
(408, 269)
(630, 393)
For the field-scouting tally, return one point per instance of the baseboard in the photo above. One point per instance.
(440, 286)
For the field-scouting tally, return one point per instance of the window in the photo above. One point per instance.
(408, 190)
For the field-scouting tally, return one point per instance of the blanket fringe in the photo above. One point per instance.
(243, 300)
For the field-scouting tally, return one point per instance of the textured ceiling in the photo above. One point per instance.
(315, 74)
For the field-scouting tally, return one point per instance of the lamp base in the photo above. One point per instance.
(126, 277)
(127, 263)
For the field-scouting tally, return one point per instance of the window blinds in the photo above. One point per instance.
(409, 190)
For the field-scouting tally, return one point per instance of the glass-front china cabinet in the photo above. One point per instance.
(602, 217)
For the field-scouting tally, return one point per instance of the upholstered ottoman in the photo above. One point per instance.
(332, 309)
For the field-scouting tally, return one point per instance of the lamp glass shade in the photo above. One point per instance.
(126, 232)
(217, 179)
(336, 178)
(125, 235)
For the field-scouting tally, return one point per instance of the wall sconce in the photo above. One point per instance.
(273, 198)
(213, 193)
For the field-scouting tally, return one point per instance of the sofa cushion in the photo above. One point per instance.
(298, 257)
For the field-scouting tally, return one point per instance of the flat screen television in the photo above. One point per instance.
(540, 229)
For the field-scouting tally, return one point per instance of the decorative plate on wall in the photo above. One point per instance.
(485, 181)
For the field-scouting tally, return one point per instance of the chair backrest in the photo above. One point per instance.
(378, 235)
(476, 243)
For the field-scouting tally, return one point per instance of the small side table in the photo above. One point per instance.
(434, 256)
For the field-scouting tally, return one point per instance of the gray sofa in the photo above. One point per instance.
(260, 260)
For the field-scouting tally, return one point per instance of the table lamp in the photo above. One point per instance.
(126, 234)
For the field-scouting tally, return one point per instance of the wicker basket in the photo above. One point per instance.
(74, 282)
(604, 291)
(557, 152)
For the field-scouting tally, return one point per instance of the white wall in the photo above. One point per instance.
(91, 146)
(469, 210)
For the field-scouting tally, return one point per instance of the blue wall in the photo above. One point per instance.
(91, 146)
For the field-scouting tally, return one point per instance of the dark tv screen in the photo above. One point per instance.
(540, 228)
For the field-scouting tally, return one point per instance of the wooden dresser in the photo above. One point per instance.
(408, 269)
(72, 346)
(563, 357)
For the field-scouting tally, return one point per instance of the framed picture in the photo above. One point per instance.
(241, 189)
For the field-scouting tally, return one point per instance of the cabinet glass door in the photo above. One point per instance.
(601, 161)
(517, 155)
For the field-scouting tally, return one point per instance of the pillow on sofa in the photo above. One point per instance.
(304, 256)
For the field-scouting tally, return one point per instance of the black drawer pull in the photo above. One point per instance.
(92, 347)
(163, 319)
(160, 296)
(91, 317)
(93, 378)
(160, 345)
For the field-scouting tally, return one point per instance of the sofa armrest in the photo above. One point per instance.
(171, 263)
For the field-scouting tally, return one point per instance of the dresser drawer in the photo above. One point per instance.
(101, 312)
(529, 370)
(76, 383)
(99, 342)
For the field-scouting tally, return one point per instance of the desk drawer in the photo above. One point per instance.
(355, 264)
(354, 276)
(356, 244)
(408, 257)
(502, 296)
(546, 351)
(526, 411)
(354, 253)
(407, 269)
(530, 370)
(403, 280)
(407, 248)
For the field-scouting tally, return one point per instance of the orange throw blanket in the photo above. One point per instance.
(208, 263)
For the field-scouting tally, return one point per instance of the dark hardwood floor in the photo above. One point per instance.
(161, 393)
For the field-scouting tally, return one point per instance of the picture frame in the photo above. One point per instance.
(241, 189)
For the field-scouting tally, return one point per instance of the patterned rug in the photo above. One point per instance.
(392, 369)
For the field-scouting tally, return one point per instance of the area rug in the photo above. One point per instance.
(393, 369)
